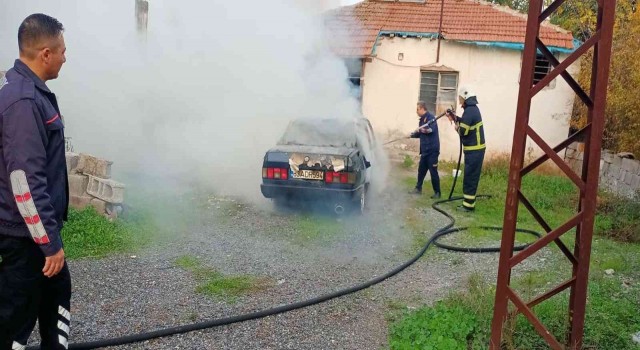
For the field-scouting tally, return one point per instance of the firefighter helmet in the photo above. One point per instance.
(466, 93)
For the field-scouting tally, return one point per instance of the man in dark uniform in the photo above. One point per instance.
(471, 130)
(429, 150)
(35, 283)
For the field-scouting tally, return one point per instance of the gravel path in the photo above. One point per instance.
(126, 294)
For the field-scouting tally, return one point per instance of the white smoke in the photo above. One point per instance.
(203, 95)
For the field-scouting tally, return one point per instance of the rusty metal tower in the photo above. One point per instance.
(587, 181)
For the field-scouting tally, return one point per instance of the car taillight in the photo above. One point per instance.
(328, 177)
(275, 173)
(335, 177)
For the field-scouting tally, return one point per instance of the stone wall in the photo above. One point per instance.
(619, 173)
(90, 184)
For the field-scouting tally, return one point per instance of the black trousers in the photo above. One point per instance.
(26, 295)
(472, 168)
(429, 162)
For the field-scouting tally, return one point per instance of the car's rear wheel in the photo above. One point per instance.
(361, 203)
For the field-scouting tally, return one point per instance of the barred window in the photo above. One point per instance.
(438, 90)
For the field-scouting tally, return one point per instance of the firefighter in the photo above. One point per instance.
(429, 150)
(35, 283)
(471, 131)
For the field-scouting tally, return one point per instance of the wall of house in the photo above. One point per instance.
(391, 89)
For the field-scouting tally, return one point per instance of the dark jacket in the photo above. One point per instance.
(471, 127)
(429, 142)
(34, 189)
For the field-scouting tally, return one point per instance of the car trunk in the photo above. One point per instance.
(311, 166)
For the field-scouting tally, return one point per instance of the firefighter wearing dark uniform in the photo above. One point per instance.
(471, 130)
(35, 283)
(429, 150)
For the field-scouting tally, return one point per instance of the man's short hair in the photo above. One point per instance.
(36, 29)
(423, 105)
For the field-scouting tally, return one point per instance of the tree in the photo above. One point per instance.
(622, 123)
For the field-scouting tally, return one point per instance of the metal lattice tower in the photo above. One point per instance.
(586, 182)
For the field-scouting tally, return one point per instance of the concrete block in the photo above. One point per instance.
(608, 157)
(628, 177)
(90, 165)
(617, 161)
(610, 172)
(99, 205)
(623, 175)
(602, 167)
(72, 161)
(80, 202)
(78, 184)
(635, 182)
(631, 165)
(108, 190)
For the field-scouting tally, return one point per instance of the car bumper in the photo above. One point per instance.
(309, 193)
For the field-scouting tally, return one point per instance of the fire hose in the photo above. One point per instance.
(444, 231)
(425, 125)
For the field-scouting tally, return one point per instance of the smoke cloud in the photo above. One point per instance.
(200, 97)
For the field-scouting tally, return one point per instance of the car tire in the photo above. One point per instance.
(362, 201)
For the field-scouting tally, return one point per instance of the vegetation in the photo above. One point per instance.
(213, 283)
(463, 319)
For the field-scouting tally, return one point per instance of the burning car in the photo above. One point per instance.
(325, 160)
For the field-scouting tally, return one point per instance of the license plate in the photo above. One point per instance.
(308, 174)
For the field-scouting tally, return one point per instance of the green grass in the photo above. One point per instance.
(463, 319)
(88, 234)
(152, 215)
(408, 162)
(314, 228)
(618, 218)
(214, 284)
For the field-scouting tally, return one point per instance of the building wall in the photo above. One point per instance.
(391, 89)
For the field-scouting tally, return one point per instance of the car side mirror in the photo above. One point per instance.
(367, 164)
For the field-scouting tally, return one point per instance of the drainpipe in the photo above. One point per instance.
(440, 30)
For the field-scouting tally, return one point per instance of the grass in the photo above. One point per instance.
(152, 215)
(213, 283)
(408, 162)
(463, 319)
(315, 227)
(88, 234)
(619, 218)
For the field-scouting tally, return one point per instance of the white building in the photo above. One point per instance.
(393, 52)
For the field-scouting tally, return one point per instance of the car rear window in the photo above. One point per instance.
(320, 132)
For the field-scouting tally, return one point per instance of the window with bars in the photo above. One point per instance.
(438, 90)
(543, 67)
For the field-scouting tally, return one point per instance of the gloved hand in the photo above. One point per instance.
(451, 115)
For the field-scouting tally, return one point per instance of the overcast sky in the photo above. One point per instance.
(349, 2)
